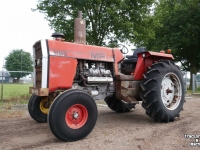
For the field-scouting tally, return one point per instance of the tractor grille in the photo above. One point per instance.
(38, 64)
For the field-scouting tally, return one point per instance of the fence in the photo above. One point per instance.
(20, 90)
(195, 83)
(13, 89)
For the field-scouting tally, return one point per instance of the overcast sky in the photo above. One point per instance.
(20, 28)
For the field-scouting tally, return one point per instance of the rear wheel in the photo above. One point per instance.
(38, 107)
(72, 115)
(163, 91)
(118, 105)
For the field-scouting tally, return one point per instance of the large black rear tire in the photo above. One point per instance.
(36, 109)
(118, 105)
(72, 115)
(163, 91)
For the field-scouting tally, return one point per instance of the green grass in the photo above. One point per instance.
(15, 93)
(191, 92)
(15, 90)
(19, 94)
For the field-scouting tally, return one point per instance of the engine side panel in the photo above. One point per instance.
(61, 72)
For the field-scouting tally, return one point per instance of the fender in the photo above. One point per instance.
(146, 59)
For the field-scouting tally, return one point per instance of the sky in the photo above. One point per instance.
(20, 28)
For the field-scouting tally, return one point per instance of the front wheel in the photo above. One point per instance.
(163, 91)
(72, 115)
(38, 107)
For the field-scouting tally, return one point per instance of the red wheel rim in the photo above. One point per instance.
(76, 116)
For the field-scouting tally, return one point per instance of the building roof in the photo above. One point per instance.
(5, 74)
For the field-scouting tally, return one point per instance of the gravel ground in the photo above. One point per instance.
(113, 131)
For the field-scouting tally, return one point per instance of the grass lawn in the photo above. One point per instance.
(19, 94)
(15, 93)
(191, 92)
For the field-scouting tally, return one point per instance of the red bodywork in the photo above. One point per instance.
(147, 61)
(63, 61)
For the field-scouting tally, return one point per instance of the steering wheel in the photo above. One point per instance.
(123, 48)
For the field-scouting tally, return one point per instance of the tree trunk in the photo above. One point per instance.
(190, 87)
(16, 80)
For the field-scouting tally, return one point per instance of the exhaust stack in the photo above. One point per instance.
(79, 29)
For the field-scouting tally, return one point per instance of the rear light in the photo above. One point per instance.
(169, 51)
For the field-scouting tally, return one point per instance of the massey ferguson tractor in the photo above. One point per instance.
(69, 77)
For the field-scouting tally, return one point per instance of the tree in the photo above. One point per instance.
(175, 25)
(19, 60)
(105, 19)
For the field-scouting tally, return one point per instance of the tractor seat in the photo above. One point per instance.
(133, 58)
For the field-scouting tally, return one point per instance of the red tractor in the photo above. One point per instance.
(69, 77)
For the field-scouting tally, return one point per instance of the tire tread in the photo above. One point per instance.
(150, 95)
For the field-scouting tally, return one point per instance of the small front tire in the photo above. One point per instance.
(36, 108)
(72, 115)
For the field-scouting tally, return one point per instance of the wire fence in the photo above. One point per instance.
(195, 83)
(15, 88)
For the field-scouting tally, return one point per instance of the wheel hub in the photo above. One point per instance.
(167, 90)
(171, 91)
(76, 116)
(44, 105)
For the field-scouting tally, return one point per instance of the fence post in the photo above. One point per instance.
(193, 82)
(186, 82)
(2, 85)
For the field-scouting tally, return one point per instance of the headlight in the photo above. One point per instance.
(38, 62)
